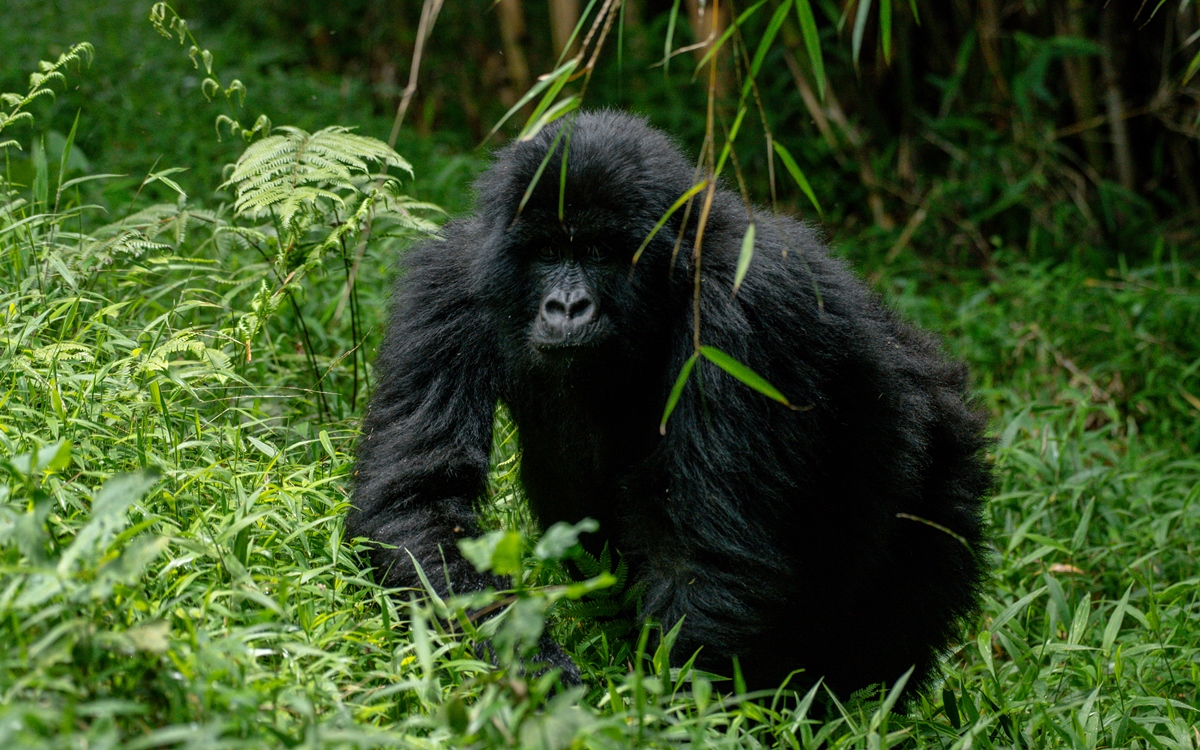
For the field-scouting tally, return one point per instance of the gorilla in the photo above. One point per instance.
(842, 536)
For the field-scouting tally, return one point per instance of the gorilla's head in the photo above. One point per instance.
(558, 270)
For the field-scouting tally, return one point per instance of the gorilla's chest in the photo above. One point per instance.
(579, 462)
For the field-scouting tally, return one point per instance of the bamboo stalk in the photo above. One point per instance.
(1114, 101)
(1080, 81)
(512, 34)
(564, 17)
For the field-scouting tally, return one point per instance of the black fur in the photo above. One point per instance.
(791, 538)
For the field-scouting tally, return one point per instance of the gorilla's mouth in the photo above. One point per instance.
(565, 345)
(561, 347)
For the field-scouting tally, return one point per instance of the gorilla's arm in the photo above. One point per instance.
(423, 455)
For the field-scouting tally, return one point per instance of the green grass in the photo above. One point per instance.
(174, 572)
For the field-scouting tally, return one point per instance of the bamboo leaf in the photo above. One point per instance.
(885, 27)
(674, 15)
(728, 33)
(529, 130)
(744, 257)
(794, 169)
(860, 25)
(1192, 67)
(743, 373)
(563, 71)
(674, 207)
(733, 132)
(558, 110)
(764, 45)
(677, 391)
(812, 42)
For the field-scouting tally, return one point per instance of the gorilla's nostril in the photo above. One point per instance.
(554, 308)
(580, 308)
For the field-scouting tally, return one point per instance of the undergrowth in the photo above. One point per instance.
(178, 391)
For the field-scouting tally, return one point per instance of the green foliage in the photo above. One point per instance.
(174, 570)
(40, 84)
(294, 172)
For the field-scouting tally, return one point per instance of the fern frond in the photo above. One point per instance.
(49, 72)
(128, 241)
(65, 350)
(293, 169)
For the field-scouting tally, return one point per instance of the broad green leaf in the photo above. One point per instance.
(420, 637)
(743, 373)
(506, 559)
(950, 705)
(54, 457)
(1079, 622)
(86, 178)
(327, 444)
(744, 257)
(164, 179)
(890, 701)
(497, 551)
(794, 170)
(108, 515)
(676, 391)
(561, 537)
(662, 655)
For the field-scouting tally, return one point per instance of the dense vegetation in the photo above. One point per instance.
(184, 357)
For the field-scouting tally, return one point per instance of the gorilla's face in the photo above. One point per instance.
(573, 293)
(569, 281)
(557, 246)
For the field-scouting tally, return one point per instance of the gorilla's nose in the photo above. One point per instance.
(566, 311)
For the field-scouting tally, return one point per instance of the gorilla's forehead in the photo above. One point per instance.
(583, 222)
(617, 167)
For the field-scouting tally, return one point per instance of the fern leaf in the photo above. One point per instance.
(292, 170)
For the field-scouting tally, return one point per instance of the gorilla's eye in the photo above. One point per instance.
(546, 253)
(596, 253)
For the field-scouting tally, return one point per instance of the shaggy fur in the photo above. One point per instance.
(811, 539)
